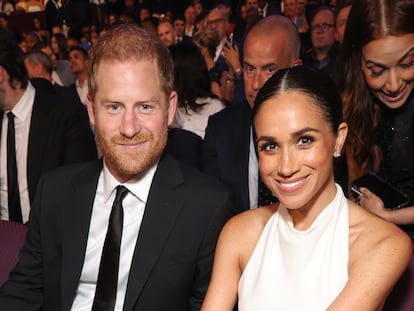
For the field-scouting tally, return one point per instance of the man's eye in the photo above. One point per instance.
(271, 70)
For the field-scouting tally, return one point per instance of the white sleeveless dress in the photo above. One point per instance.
(292, 270)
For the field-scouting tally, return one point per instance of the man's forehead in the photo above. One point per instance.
(214, 14)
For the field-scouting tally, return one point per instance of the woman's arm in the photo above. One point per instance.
(234, 248)
(378, 255)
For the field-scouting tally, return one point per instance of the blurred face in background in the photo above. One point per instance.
(217, 20)
(190, 15)
(166, 33)
(323, 30)
(179, 27)
(290, 8)
(340, 24)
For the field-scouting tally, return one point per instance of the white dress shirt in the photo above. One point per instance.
(134, 206)
(82, 91)
(23, 114)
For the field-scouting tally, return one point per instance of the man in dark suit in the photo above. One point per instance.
(49, 132)
(229, 147)
(268, 8)
(161, 236)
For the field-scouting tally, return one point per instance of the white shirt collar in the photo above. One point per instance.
(23, 109)
(139, 187)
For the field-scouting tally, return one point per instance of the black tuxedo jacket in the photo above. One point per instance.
(226, 151)
(172, 262)
(59, 134)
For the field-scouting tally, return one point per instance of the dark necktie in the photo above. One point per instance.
(15, 211)
(106, 286)
(265, 196)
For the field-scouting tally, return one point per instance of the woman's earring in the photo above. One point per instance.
(337, 154)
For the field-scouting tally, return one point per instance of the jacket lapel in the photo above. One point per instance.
(76, 219)
(161, 211)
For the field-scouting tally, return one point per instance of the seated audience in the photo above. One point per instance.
(49, 132)
(314, 250)
(322, 56)
(376, 78)
(196, 101)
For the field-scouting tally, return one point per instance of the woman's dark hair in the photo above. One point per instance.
(12, 60)
(310, 82)
(62, 45)
(368, 20)
(191, 79)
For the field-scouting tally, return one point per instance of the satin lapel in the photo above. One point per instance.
(76, 214)
(161, 211)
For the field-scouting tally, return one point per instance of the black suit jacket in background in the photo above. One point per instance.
(173, 257)
(226, 151)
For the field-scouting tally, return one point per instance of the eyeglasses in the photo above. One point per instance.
(324, 27)
(215, 21)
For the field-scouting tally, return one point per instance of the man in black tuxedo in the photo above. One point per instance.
(229, 147)
(162, 230)
(49, 132)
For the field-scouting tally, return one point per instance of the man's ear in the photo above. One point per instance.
(297, 62)
(89, 105)
(172, 106)
(3, 75)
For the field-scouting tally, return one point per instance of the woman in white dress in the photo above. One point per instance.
(315, 250)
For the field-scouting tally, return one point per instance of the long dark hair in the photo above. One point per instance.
(191, 79)
(368, 20)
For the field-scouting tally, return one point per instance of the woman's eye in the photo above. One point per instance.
(304, 141)
(376, 71)
(267, 146)
(407, 62)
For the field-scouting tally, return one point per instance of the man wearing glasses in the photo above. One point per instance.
(322, 55)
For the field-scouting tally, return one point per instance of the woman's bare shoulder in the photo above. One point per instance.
(251, 221)
(372, 234)
(242, 232)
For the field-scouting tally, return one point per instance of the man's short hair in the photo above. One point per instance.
(11, 59)
(80, 49)
(129, 42)
(36, 56)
